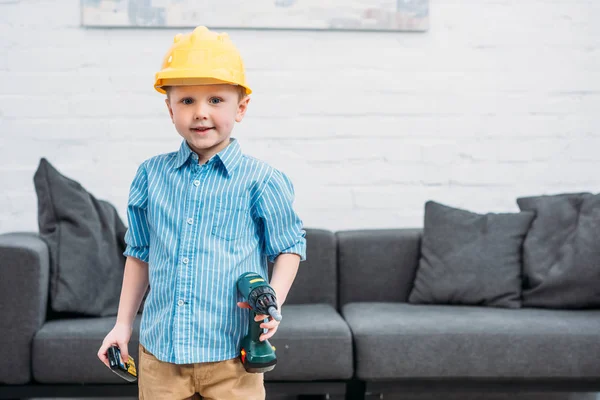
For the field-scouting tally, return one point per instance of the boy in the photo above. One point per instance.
(198, 219)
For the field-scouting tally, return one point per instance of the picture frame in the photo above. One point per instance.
(352, 15)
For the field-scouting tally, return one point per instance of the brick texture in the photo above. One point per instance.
(498, 100)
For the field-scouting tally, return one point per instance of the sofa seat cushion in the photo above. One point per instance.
(399, 340)
(313, 342)
(65, 351)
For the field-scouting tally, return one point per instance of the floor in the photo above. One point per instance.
(455, 396)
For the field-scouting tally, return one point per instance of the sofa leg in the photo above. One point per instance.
(281, 397)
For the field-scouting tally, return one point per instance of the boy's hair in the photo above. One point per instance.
(240, 89)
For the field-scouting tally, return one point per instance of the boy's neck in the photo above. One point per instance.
(205, 156)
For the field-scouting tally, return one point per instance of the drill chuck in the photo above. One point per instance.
(262, 300)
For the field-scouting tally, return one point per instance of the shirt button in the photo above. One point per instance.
(190, 221)
(185, 260)
(196, 182)
(180, 303)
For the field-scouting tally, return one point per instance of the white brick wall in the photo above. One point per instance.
(499, 99)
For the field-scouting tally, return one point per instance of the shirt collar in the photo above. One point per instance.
(182, 155)
(230, 156)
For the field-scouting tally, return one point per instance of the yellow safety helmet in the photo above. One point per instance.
(201, 58)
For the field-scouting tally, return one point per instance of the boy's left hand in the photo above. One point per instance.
(271, 325)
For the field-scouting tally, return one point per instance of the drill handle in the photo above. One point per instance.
(255, 330)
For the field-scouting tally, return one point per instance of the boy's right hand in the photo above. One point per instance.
(118, 336)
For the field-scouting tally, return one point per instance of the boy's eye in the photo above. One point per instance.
(187, 101)
(215, 100)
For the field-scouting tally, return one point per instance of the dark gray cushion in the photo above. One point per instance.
(316, 281)
(426, 341)
(313, 342)
(377, 264)
(86, 239)
(469, 258)
(562, 251)
(65, 351)
(24, 271)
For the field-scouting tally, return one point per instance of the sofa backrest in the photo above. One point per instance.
(316, 281)
(377, 265)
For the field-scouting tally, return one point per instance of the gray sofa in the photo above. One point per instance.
(348, 331)
(46, 354)
(401, 347)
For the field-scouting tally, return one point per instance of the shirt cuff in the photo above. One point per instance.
(299, 249)
(139, 252)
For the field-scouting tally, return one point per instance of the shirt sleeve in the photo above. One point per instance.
(282, 228)
(137, 236)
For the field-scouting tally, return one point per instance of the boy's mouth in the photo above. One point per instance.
(202, 129)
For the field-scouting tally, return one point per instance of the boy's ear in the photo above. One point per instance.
(168, 103)
(242, 107)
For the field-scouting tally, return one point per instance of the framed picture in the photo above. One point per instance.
(369, 15)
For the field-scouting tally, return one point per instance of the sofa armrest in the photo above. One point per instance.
(24, 274)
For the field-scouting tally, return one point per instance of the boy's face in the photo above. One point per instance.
(205, 115)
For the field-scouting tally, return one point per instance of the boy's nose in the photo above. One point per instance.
(201, 112)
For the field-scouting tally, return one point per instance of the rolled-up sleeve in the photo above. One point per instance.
(282, 228)
(137, 236)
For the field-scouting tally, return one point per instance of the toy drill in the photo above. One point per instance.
(257, 356)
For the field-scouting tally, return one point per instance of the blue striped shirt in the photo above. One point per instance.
(199, 227)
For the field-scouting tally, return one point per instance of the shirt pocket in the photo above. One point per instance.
(232, 218)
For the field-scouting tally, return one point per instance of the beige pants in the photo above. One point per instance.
(223, 380)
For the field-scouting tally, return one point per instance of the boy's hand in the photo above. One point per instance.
(272, 325)
(118, 336)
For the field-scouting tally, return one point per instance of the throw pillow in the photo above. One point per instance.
(86, 239)
(562, 251)
(469, 258)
